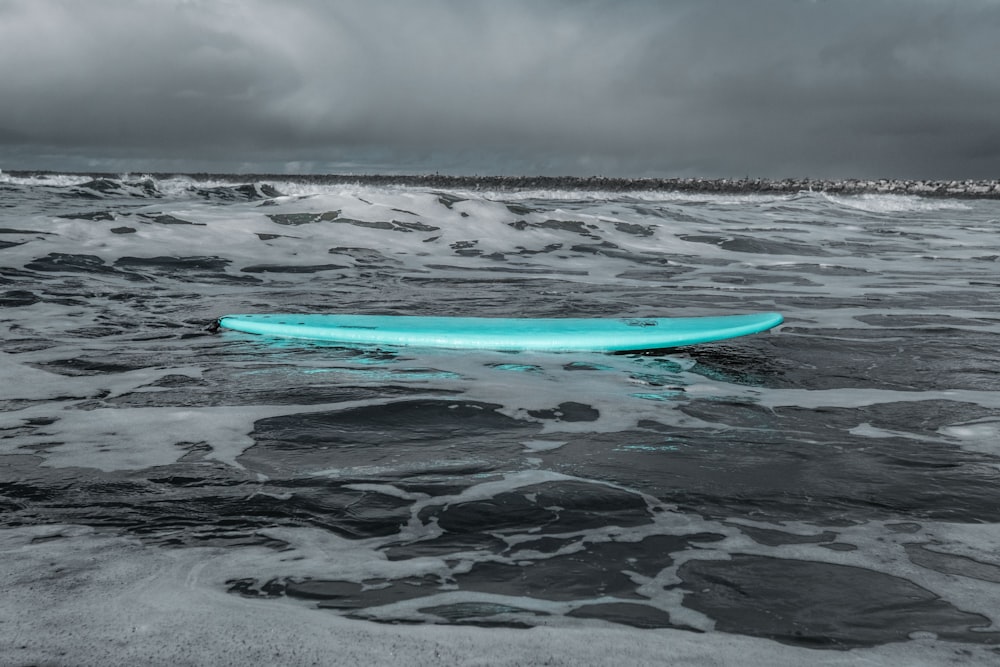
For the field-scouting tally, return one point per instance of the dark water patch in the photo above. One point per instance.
(379, 224)
(756, 246)
(10, 244)
(831, 607)
(597, 570)
(520, 209)
(167, 219)
(921, 417)
(196, 262)
(95, 216)
(21, 493)
(913, 294)
(387, 225)
(86, 366)
(930, 321)
(951, 564)
(244, 192)
(556, 507)
(667, 273)
(422, 420)
(501, 269)
(603, 249)
(366, 256)
(15, 345)
(413, 227)
(100, 188)
(825, 270)
(466, 248)
(174, 265)
(758, 279)
(177, 381)
(347, 512)
(744, 363)
(545, 545)
(552, 247)
(101, 331)
(449, 199)
(921, 358)
(480, 614)
(671, 213)
(586, 366)
(347, 595)
(765, 230)
(787, 464)
(201, 519)
(449, 544)
(9, 230)
(405, 438)
(635, 229)
(211, 391)
(18, 298)
(868, 247)
(517, 368)
(196, 504)
(123, 230)
(628, 613)
(570, 411)
(296, 219)
(58, 262)
(334, 594)
(560, 578)
(776, 538)
(571, 226)
(902, 233)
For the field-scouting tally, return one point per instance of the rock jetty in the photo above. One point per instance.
(980, 189)
(989, 189)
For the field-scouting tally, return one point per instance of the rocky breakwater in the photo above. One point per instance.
(925, 188)
(988, 189)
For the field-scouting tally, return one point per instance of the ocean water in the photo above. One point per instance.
(825, 493)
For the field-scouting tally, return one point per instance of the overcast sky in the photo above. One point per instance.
(714, 88)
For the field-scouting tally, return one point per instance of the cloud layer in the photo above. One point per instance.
(776, 88)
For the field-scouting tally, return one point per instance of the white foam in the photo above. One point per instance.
(894, 203)
(120, 438)
(857, 398)
(105, 600)
(542, 445)
(878, 548)
(26, 383)
(866, 430)
(54, 180)
(981, 435)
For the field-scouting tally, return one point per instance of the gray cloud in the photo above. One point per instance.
(698, 87)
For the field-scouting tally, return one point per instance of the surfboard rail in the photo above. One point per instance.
(622, 334)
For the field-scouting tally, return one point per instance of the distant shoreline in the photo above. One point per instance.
(963, 189)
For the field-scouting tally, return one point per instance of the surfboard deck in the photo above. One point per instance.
(505, 333)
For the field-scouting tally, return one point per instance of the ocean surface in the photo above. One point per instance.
(826, 493)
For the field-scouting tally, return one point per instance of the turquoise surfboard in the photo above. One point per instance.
(505, 333)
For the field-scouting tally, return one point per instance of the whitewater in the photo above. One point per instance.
(826, 493)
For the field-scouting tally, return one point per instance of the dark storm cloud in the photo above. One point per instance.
(707, 87)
